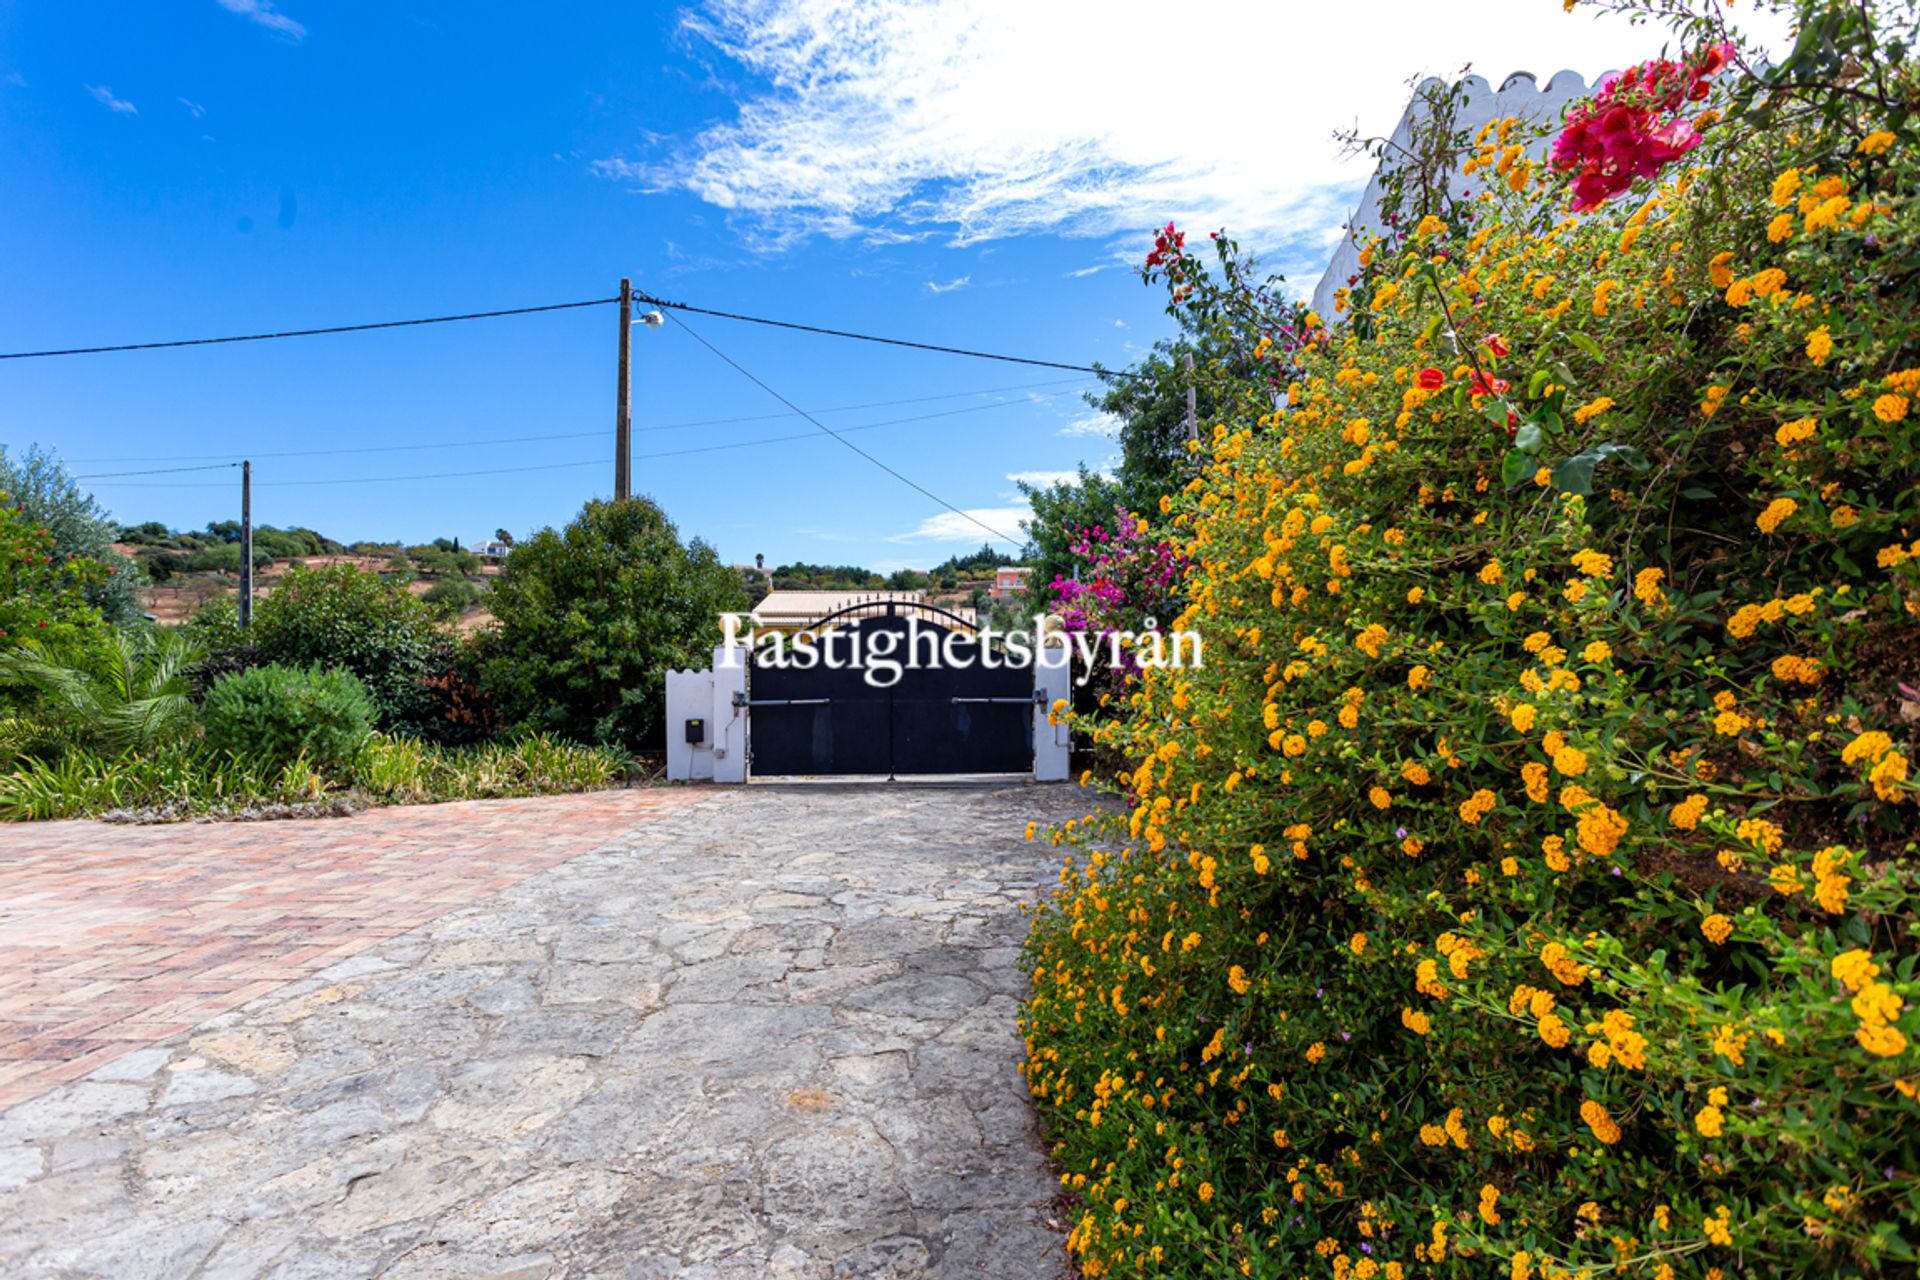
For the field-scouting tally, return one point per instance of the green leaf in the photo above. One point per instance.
(1585, 344)
(1516, 468)
(1575, 474)
(1625, 453)
(1528, 439)
(1537, 385)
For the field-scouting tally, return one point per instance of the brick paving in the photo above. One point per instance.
(114, 937)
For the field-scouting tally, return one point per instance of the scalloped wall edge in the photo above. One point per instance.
(1520, 93)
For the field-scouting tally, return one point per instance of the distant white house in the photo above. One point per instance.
(1517, 96)
(492, 547)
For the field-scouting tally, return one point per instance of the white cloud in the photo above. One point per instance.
(1094, 424)
(195, 108)
(952, 526)
(13, 79)
(1043, 479)
(263, 13)
(958, 282)
(104, 96)
(982, 119)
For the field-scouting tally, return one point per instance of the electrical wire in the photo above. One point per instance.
(578, 435)
(665, 305)
(916, 487)
(157, 471)
(305, 333)
(647, 298)
(561, 466)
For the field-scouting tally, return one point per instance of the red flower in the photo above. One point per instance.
(1483, 386)
(1630, 130)
(1431, 379)
(1497, 345)
(1167, 244)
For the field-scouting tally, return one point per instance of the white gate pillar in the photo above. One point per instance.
(690, 713)
(1052, 683)
(730, 713)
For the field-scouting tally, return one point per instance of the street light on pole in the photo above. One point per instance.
(623, 414)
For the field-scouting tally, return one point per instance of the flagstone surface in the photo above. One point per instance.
(115, 936)
(759, 1032)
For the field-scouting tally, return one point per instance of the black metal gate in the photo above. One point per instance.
(959, 716)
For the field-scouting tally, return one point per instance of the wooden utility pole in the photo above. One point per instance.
(246, 544)
(622, 417)
(1193, 403)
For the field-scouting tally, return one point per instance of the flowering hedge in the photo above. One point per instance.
(1526, 885)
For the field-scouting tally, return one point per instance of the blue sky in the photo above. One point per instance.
(969, 172)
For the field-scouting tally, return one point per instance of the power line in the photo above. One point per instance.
(559, 306)
(305, 333)
(562, 466)
(918, 488)
(665, 305)
(157, 471)
(582, 435)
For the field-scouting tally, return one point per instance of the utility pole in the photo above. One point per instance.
(622, 417)
(246, 544)
(1193, 403)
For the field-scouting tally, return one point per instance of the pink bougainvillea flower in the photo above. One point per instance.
(1630, 129)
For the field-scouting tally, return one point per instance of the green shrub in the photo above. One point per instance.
(164, 781)
(408, 771)
(337, 617)
(450, 597)
(1526, 885)
(590, 620)
(279, 714)
(170, 781)
(107, 686)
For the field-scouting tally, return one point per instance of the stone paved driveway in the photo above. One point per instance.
(113, 937)
(767, 1033)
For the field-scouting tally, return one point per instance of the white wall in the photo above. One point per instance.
(689, 697)
(1052, 742)
(1517, 96)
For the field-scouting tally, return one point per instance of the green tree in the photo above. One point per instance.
(41, 597)
(977, 564)
(756, 585)
(79, 526)
(1060, 511)
(591, 618)
(802, 576)
(908, 580)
